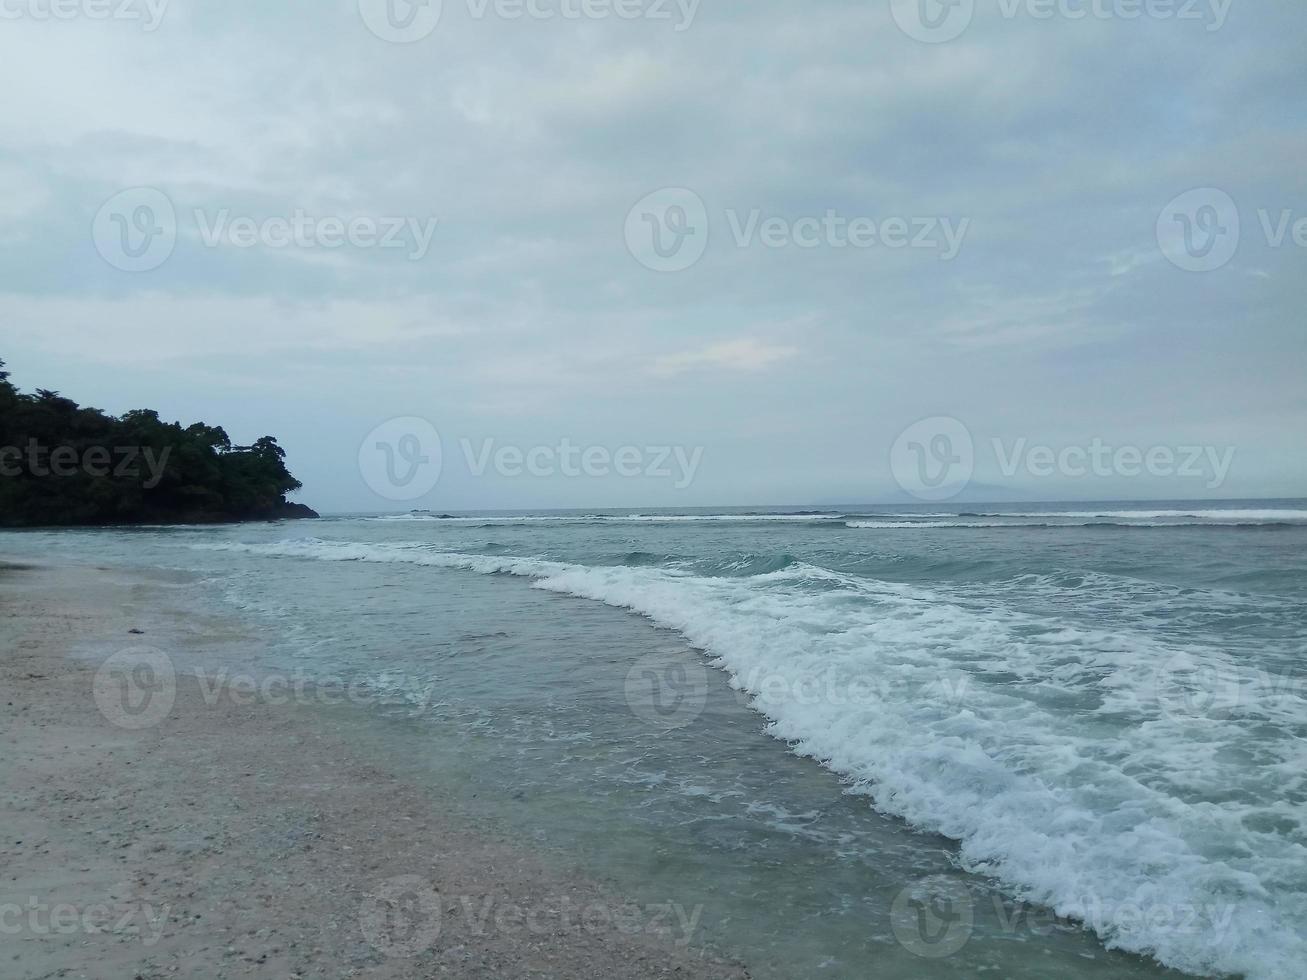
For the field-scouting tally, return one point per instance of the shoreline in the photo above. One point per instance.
(234, 837)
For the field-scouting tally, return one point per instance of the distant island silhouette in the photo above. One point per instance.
(65, 465)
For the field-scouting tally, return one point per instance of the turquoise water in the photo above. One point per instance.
(895, 742)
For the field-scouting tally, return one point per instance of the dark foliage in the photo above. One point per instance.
(62, 464)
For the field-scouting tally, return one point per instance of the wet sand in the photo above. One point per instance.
(234, 837)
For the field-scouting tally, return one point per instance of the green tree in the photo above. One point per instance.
(132, 469)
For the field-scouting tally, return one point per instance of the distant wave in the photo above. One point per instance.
(891, 525)
(673, 518)
(486, 520)
(900, 520)
(953, 716)
(411, 517)
(1243, 516)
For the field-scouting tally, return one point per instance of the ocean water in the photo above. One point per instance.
(897, 742)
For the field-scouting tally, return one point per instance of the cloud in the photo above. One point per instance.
(735, 355)
(1059, 141)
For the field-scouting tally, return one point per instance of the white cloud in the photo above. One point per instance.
(529, 141)
(734, 355)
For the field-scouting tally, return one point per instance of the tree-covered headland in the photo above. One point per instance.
(62, 464)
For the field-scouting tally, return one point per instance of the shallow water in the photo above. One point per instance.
(992, 748)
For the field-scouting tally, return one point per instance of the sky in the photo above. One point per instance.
(622, 253)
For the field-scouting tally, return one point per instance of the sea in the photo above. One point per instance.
(924, 741)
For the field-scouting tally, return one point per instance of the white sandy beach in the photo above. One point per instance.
(241, 838)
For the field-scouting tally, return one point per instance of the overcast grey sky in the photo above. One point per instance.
(981, 220)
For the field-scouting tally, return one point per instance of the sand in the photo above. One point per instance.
(241, 838)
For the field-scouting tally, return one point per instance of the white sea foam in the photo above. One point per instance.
(968, 519)
(405, 517)
(1063, 520)
(610, 518)
(1266, 516)
(896, 525)
(1043, 748)
(674, 518)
